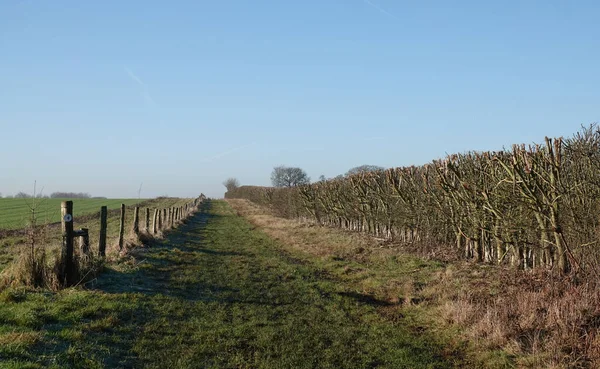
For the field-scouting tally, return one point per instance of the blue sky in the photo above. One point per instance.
(101, 96)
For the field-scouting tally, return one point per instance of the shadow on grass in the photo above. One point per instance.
(158, 270)
(165, 268)
(368, 299)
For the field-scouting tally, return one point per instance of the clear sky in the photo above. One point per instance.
(100, 96)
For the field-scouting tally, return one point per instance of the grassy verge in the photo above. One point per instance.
(216, 293)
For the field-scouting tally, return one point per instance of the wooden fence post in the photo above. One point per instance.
(159, 226)
(122, 227)
(84, 242)
(172, 211)
(103, 226)
(164, 223)
(66, 211)
(136, 218)
(147, 220)
(155, 221)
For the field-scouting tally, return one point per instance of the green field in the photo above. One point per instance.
(15, 213)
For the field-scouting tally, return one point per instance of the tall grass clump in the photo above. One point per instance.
(31, 267)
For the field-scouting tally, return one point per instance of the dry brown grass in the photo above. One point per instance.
(22, 339)
(543, 319)
(539, 318)
(28, 271)
(34, 266)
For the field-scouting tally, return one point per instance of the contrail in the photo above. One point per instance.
(225, 153)
(134, 77)
(381, 10)
(146, 93)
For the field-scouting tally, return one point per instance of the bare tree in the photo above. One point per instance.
(231, 184)
(283, 176)
(364, 169)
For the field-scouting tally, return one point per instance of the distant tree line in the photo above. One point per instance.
(287, 177)
(70, 195)
(54, 195)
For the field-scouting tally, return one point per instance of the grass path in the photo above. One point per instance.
(216, 293)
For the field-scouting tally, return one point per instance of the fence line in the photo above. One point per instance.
(69, 258)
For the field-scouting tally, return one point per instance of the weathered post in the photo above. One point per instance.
(147, 220)
(136, 216)
(102, 240)
(159, 226)
(155, 221)
(122, 227)
(66, 211)
(172, 211)
(84, 242)
(164, 222)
